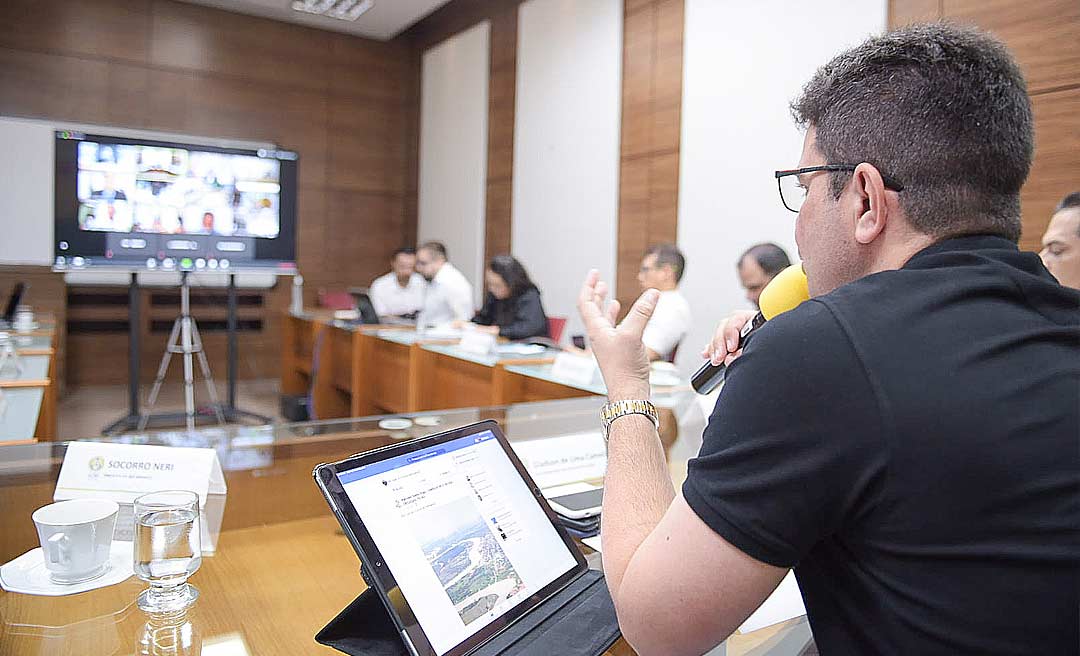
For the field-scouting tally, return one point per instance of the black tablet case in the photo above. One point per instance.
(577, 621)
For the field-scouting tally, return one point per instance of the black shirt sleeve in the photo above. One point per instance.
(529, 319)
(794, 448)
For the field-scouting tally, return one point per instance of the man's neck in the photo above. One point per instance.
(403, 282)
(667, 286)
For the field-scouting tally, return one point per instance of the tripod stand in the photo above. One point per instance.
(184, 340)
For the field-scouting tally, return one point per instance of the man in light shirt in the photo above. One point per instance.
(662, 269)
(399, 293)
(449, 296)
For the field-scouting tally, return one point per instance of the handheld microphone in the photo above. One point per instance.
(784, 292)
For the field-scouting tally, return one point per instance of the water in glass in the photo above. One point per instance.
(167, 548)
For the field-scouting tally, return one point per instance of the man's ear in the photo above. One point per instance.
(873, 207)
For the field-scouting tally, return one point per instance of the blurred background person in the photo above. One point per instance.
(399, 293)
(1061, 242)
(512, 306)
(661, 269)
(448, 295)
(757, 266)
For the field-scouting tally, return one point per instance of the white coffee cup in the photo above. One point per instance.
(76, 537)
(24, 319)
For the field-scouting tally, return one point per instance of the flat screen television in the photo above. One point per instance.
(155, 205)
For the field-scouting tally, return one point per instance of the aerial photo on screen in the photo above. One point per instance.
(467, 559)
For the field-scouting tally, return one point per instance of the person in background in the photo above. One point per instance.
(512, 307)
(448, 296)
(399, 293)
(661, 269)
(757, 266)
(1061, 242)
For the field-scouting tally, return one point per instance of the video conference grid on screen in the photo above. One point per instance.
(460, 531)
(172, 206)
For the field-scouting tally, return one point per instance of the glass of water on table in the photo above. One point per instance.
(168, 549)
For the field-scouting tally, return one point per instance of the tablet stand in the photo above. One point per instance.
(579, 620)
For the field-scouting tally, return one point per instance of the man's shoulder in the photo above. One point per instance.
(382, 280)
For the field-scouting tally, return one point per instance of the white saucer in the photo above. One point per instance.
(395, 423)
(27, 573)
(427, 421)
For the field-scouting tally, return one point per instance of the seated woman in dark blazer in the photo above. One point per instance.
(512, 307)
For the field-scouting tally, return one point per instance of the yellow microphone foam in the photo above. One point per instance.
(784, 292)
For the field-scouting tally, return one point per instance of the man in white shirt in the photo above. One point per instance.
(662, 269)
(449, 296)
(399, 293)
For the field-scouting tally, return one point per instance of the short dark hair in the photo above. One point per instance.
(941, 108)
(771, 258)
(671, 255)
(404, 250)
(513, 274)
(1070, 201)
(436, 247)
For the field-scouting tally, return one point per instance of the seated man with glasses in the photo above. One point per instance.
(662, 269)
(907, 439)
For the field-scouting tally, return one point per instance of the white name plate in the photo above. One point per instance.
(574, 369)
(476, 341)
(122, 472)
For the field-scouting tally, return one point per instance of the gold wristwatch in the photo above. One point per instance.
(612, 411)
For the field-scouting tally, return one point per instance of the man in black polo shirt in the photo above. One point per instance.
(909, 439)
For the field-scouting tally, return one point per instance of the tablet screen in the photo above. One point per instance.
(460, 531)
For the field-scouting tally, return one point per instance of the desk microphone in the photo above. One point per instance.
(784, 292)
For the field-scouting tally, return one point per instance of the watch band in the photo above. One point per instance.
(612, 411)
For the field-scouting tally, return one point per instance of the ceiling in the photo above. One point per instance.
(383, 21)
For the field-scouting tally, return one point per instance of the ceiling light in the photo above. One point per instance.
(348, 10)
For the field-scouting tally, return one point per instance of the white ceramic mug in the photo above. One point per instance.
(76, 537)
(24, 319)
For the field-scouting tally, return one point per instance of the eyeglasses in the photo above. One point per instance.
(793, 193)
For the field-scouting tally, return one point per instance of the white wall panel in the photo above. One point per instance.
(743, 64)
(453, 148)
(566, 145)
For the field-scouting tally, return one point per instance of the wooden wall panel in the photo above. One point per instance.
(1042, 34)
(903, 12)
(345, 103)
(240, 46)
(651, 124)
(114, 29)
(1056, 171)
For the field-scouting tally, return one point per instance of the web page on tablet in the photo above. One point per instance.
(460, 531)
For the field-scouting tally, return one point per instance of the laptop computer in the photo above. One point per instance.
(452, 534)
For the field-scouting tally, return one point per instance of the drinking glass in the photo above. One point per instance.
(168, 549)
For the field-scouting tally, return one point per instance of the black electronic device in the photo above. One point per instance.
(365, 307)
(453, 535)
(157, 205)
(579, 505)
(17, 293)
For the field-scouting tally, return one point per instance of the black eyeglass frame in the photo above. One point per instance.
(890, 183)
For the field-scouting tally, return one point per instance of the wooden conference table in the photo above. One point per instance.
(282, 568)
(355, 370)
(28, 398)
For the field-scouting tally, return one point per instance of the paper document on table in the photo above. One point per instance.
(592, 543)
(558, 460)
(783, 604)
